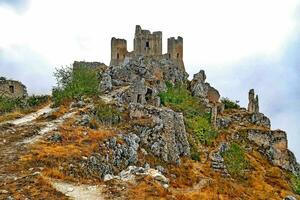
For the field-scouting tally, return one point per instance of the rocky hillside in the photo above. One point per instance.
(142, 130)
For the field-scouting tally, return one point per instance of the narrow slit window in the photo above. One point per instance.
(12, 89)
(147, 44)
(118, 56)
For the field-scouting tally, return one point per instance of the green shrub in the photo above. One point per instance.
(196, 119)
(180, 99)
(74, 83)
(236, 161)
(229, 104)
(10, 104)
(202, 129)
(23, 104)
(36, 100)
(296, 184)
(107, 114)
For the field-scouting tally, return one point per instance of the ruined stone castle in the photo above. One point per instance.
(12, 88)
(146, 44)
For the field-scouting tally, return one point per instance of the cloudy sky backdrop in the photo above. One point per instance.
(240, 44)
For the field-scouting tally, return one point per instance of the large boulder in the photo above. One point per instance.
(166, 138)
(203, 90)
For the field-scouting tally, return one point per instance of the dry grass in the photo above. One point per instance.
(77, 142)
(11, 116)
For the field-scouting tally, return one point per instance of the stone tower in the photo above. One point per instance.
(118, 51)
(147, 43)
(175, 49)
(253, 105)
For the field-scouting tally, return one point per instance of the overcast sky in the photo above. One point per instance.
(240, 44)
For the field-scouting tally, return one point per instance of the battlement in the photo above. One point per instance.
(146, 44)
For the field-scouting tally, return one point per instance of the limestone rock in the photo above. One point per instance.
(167, 137)
(202, 89)
(105, 84)
(273, 144)
(290, 198)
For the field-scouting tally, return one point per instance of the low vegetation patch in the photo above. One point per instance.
(107, 114)
(22, 105)
(196, 119)
(202, 129)
(74, 83)
(180, 99)
(236, 161)
(229, 104)
(296, 184)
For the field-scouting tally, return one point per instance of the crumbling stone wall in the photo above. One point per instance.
(12, 89)
(147, 43)
(118, 51)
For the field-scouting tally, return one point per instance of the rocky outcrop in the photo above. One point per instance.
(243, 118)
(132, 171)
(166, 138)
(217, 161)
(155, 72)
(274, 145)
(115, 154)
(202, 89)
(105, 84)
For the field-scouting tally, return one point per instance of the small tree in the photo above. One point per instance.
(74, 83)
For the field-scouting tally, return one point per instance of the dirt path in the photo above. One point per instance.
(18, 181)
(30, 117)
(78, 192)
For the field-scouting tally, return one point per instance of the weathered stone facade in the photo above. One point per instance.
(175, 49)
(12, 89)
(118, 51)
(146, 44)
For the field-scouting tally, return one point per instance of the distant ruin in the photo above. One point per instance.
(146, 44)
(12, 88)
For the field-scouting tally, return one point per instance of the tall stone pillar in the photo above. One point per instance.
(253, 106)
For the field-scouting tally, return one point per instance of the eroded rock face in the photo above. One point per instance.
(273, 144)
(202, 89)
(155, 72)
(166, 138)
(244, 118)
(114, 155)
(105, 84)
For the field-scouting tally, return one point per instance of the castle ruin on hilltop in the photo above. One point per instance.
(146, 44)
